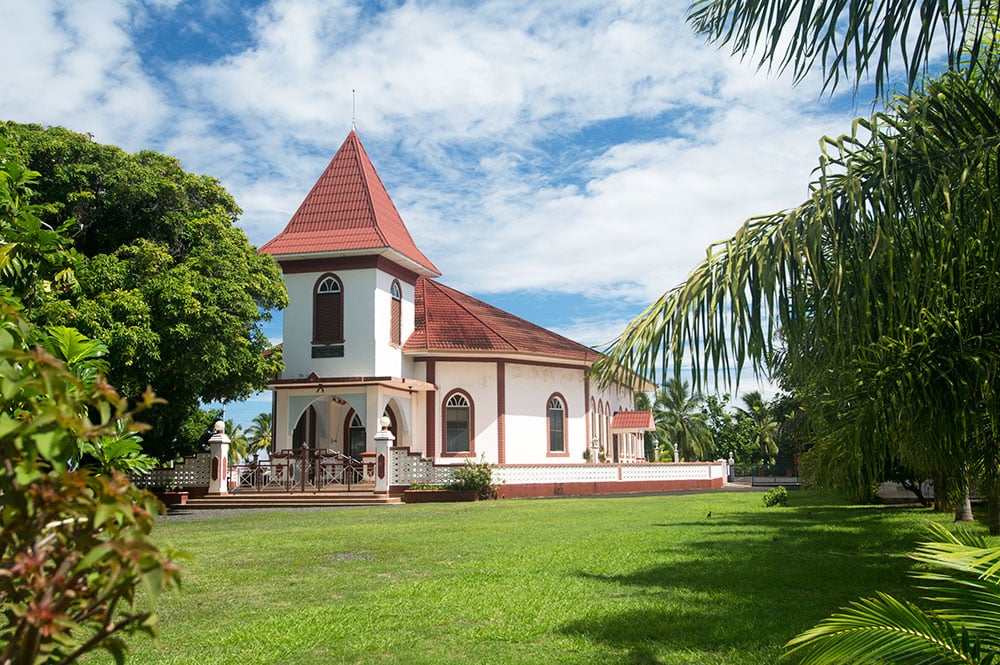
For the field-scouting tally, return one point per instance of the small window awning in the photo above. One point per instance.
(624, 422)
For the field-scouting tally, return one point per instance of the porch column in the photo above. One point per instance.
(383, 458)
(218, 483)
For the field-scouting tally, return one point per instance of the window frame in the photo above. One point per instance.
(556, 398)
(321, 336)
(471, 424)
(396, 314)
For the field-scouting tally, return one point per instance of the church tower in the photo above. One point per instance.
(351, 268)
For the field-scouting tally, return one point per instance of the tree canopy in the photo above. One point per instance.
(164, 277)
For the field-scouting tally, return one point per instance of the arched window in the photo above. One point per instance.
(593, 422)
(598, 430)
(328, 311)
(557, 425)
(458, 425)
(396, 316)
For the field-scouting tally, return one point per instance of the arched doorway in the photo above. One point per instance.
(304, 435)
(356, 435)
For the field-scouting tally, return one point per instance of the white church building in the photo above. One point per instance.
(370, 332)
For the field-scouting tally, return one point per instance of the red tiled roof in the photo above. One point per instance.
(348, 209)
(449, 320)
(633, 420)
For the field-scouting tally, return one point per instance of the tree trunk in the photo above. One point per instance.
(993, 512)
(943, 499)
(963, 509)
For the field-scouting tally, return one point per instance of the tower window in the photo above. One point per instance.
(328, 311)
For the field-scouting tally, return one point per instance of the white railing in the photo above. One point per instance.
(195, 471)
(575, 473)
(305, 469)
(407, 468)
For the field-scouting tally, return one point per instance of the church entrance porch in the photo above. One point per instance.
(305, 470)
(325, 428)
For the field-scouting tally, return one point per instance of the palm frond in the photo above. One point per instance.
(851, 38)
(883, 630)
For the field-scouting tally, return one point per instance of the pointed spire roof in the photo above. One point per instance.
(349, 212)
(449, 320)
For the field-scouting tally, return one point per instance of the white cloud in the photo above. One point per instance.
(74, 65)
(500, 128)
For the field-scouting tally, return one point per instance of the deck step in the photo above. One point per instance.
(290, 500)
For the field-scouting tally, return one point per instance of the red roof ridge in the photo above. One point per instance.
(449, 320)
(447, 292)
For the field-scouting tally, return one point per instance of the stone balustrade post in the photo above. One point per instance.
(218, 483)
(383, 459)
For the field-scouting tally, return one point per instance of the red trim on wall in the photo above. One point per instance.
(291, 267)
(501, 412)
(588, 413)
(582, 367)
(430, 410)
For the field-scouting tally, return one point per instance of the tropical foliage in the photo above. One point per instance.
(239, 444)
(163, 276)
(962, 626)
(851, 38)
(74, 532)
(763, 426)
(883, 284)
(681, 422)
(260, 433)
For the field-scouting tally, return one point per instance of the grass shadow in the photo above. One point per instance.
(749, 581)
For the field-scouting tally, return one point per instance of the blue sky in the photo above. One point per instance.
(566, 161)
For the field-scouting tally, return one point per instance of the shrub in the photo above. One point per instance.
(776, 496)
(475, 476)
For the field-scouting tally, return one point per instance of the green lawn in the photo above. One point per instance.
(608, 580)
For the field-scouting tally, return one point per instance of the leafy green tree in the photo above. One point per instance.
(74, 541)
(681, 422)
(731, 431)
(260, 433)
(883, 285)
(165, 278)
(194, 432)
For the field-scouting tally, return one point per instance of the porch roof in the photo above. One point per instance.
(321, 384)
(632, 421)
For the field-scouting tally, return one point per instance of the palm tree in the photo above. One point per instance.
(681, 422)
(260, 433)
(961, 628)
(238, 443)
(765, 427)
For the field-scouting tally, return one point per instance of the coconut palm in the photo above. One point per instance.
(238, 443)
(962, 626)
(681, 422)
(259, 434)
(765, 427)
